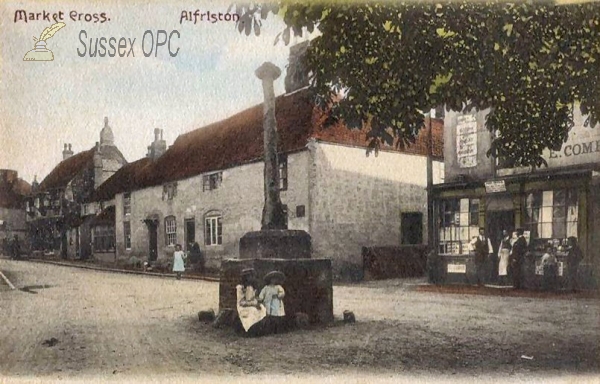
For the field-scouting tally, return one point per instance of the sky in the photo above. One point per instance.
(45, 104)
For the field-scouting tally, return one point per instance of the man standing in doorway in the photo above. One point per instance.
(519, 249)
(482, 247)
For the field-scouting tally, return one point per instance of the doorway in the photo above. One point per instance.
(497, 221)
(152, 239)
(412, 228)
(190, 232)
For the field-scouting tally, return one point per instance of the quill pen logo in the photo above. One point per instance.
(40, 52)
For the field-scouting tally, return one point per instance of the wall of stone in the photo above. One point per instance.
(393, 262)
(308, 285)
(239, 199)
(357, 200)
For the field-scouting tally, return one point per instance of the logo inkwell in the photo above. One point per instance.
(40, 52)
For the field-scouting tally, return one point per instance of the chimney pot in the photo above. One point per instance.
(67, 151)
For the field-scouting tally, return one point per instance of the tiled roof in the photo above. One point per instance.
(127, 178)
(66, 170)
(340, 134)
(9, 198)
(13, 193)
(234, 141)
(239, 139)
(22, 187)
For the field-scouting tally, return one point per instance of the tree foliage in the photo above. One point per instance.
(530, 63)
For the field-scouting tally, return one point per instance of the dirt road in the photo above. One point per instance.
(109, 326)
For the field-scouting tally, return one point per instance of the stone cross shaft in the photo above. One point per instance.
(273, 215)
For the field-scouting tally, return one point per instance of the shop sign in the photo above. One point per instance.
(495, 186)
(581, 147)
(457, 268)
(466, 141)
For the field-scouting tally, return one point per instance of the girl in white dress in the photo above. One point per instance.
(249, 309)
(178, 261)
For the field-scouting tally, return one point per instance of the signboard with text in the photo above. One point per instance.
(582, 147)
(495, 186)
(466, 141)
(457, 268)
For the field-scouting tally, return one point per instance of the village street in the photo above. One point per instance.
(69, 323)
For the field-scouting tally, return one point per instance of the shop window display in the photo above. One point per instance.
(551, 216)
(459, 224)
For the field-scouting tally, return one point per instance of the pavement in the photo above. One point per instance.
(91, 266)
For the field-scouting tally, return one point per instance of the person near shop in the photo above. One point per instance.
(503, 256)
(433, 267)
(550, 268)
(574, 257)
(482, 247)
(517, 258)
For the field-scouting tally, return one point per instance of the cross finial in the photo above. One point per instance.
(105, 121)
(268, 70)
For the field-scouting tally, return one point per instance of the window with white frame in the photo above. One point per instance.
(127, 203)
(212, 181)
(127, 234)
(551, 214)
(213, 229)
(459, 223)
(170, 230)
(104, 238)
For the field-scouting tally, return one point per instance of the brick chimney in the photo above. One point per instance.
(297, 75)
(35, 184)
(67, 152)
(158, 146)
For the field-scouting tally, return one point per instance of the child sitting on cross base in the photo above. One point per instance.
(272, 296)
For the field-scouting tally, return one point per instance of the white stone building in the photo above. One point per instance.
(208, 188)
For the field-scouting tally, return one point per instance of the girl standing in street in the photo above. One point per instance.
(178, 261)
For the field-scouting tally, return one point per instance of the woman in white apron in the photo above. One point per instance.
(249, 309)
(503, 256)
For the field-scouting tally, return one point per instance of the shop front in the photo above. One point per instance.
(549, 206)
